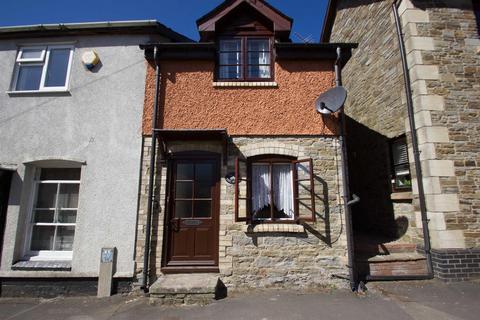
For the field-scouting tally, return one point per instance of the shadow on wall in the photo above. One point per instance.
(158, 221)
(374, 222)
(369, 168)
(322, 217)
(476, 8)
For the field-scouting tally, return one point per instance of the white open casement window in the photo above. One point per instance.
(42, 68)
(274, 190)
(53, 214)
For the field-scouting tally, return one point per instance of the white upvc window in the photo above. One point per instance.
(53, 214)
(42, 68)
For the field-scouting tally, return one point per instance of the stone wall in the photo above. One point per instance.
(375, 110)
(267, 255)
(446, 39)
(443, 55)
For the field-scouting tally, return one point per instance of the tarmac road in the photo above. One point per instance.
(389, 300)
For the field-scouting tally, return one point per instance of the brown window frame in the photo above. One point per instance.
(244, 59)
(394, 166)
(271, 160)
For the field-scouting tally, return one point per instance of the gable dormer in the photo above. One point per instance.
(244, 17)
(245, 32)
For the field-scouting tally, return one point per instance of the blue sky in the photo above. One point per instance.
(179, 15)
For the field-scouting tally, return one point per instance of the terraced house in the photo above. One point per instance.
(213, 165)
(245, 175)
(71, 100)
(413, 127)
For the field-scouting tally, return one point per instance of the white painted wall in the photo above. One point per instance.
(98, 122)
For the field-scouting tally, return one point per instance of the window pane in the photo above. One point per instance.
(402, 177)
(184, 190)
(261, 190)
(282, 191)
(42, 238)
(46, 195)
(67, 216)
(231, 45)
(203, 172)
(203, 190)
(303, 170)
(184, 171)
(64, 239)
(183, 209)
(68, 196)
(57, 68)
(202, 209)
(259, 58)
(258, 45)
(32, 53)
(44, 216)
(230, 72)
(262, 72)
(230, 58)
(60, 174)
(29, 77)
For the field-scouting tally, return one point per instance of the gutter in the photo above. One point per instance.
(92, 27)
(418, 167)
(153, 153)
(79, 25)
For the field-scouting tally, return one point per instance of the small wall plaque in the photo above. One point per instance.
(106, 270)
(107, 255)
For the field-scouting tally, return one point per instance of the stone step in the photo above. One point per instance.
(384, 248)
(188, 288)
(392, 264)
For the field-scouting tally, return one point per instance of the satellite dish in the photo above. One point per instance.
(331, 101)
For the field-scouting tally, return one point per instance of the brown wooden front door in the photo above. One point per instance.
(193, 215)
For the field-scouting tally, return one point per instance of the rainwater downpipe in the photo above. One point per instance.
(151, 179)
(346, 189)
(418, 166)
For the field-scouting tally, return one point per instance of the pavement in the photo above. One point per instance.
(388, 300)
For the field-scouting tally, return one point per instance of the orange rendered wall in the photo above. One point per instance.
(188, 100)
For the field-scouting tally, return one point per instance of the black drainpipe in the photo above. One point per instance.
(146, 254)
(346, 190)
(416, 158)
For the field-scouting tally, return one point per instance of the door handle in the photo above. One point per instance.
(175, 224)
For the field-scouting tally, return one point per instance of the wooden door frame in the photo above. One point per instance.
(171, 160)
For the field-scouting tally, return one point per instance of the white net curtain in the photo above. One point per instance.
(282, 191)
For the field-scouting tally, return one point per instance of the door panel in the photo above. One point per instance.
(192, 228)
(202, 242)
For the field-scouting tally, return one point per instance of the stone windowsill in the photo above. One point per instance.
(401, 195)
(38, 92)
(255, 84)
(271, 228)
(43, 265)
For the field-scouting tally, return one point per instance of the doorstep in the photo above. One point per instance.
(187, 288)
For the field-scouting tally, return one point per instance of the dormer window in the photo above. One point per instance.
(245, 59)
